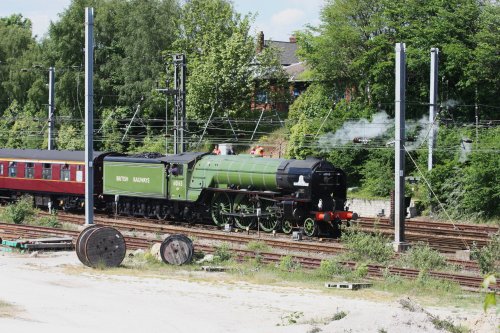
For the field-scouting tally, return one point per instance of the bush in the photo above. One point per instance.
(222, 252)
(488, 256)
(331, 267)
(367, 247)
(48, 221)
(288, 264)
(19, 212)
(422, 257)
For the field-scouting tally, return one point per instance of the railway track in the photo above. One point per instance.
(446, 237)
(468, 282)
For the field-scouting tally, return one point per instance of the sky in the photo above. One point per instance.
(278, 19)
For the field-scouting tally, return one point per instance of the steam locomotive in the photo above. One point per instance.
(246, 191)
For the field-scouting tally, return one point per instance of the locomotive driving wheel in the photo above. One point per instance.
(242, 206)
(268, 223)
(286, 226)
(221, 203)
(310, 227)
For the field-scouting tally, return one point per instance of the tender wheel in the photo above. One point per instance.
(268, 223)
(220, 204)
(242, 205)
(161, 213)
(310, 227)
(286, 227)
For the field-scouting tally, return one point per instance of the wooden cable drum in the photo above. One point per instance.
(80, 243)
(102, 246)
(177, 250)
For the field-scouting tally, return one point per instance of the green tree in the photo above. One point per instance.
(220, 53)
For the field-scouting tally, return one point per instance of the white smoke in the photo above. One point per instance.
(419, 131)
(363, 128)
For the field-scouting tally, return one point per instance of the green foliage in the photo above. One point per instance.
(354, 47)
(339, 315)
(488, 256)
(289, 264)
(19, 212)
(48, 221)
(443, 324)
(291, 318)
(367, 247)
(221, 54)
(424, 258)
(223, 252)
(258, 246)
(490, 297)
(331, 267)
(466, 183)
(378, 173)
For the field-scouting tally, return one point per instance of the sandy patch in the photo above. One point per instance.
(57, 293)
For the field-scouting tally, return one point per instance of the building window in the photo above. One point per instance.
(65, 172)
(29, 171)
(261, 97)
(13, 169)
(47, 171)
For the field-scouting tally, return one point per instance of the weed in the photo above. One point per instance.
(422, 257)
(101, 265)
(381, 330)
(339, 315)
(258, 246)
(20, 211)
(48, 221)
(222, 252)
(331, 267)
(363, 246)
(291, 318)
(288, 264)
(488, 256)
(443, 324)
(360, 272)
(315, 329)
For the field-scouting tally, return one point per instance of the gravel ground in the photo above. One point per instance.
(53, 293)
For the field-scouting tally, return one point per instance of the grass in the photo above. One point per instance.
(288, 272)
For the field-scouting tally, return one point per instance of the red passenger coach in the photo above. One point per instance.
(51, 176)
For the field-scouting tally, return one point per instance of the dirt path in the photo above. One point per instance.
(48, 298)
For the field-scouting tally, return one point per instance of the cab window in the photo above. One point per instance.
(13, 169)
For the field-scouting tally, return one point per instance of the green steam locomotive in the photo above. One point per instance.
(246, 191)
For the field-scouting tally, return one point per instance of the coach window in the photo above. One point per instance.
(1, 169)
(13, 169)
(47, 171)
(29, 171)
(65, 172)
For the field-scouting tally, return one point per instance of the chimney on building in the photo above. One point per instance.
(260, 42)
(293, 39)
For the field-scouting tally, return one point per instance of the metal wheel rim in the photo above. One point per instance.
(286, 227)
(242, 205)
(309, 227)
(268, 223)
(220, 204)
